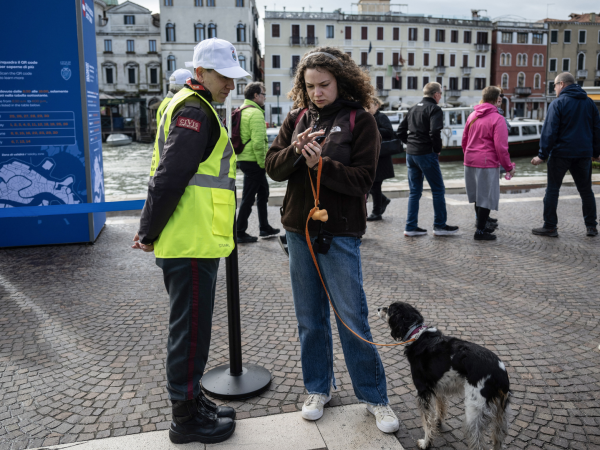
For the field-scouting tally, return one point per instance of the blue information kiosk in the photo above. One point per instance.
(50, 132)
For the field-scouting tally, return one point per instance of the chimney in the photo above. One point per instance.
(593, 17)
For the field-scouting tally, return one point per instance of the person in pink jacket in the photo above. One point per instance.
(485, 145)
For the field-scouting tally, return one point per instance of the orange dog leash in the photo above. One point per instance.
(321, 214)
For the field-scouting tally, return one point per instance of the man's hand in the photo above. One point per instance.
(536, 161)
(138, 245)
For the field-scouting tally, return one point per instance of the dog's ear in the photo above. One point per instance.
(402, 317)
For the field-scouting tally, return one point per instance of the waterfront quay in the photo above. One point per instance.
(83, 328)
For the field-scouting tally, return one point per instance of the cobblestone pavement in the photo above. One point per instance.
(83, 327)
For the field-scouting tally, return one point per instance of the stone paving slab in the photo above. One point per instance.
(83, 328)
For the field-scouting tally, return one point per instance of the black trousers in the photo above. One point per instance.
(255, 186)
(191, 286)
(378, 196)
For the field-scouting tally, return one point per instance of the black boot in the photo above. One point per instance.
(220, 411)
(192, 422)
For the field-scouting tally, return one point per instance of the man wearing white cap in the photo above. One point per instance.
(188, 222)
(176, 82)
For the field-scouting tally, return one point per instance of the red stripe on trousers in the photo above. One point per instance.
(194, 333)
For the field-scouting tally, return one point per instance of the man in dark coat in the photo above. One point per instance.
(385, 168)
(570, 141)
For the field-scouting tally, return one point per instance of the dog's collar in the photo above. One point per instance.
(414, 330)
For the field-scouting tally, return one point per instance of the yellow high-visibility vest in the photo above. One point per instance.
(162, 107)
(202, 224)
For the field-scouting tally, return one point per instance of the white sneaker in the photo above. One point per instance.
(313, 406)
(385, 418)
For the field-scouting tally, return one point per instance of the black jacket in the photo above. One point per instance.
(421, 129)
(183, 152)
(385, 168)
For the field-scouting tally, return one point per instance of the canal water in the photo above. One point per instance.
(127, 168)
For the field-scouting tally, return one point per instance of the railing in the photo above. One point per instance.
(366, 66)
(482, 47)
(296, 40)
(466, 70)
(397, 69)
(440, 69)
(582, 74)
(383, 92)
(522, 90)
(314, 41)
(453, 93)
(310, 41)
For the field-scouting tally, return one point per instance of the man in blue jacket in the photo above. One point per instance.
(570, 141)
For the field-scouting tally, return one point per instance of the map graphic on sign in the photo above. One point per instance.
(25, 185)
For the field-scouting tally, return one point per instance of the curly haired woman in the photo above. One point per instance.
(331, 92)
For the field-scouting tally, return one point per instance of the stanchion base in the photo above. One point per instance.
(219, 383)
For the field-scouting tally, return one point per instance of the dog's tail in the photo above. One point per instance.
(501, 418)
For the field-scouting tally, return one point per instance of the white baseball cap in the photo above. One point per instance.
(180, 76)
(219, 55)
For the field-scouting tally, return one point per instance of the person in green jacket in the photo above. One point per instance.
(253, 133)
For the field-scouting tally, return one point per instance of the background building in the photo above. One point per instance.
(574, 46)
(401, 52)
(184, 24)
(519, 67)
(128, 49)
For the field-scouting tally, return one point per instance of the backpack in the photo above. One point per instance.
(236, 122)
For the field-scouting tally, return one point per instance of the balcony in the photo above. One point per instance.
(366, 66)
(482, 47)
(397, 69)
(466, 70)
(453, 93)
(582, 74)
(523, 90)
(296, 40)
(440, 69)
(293, 71)
(383, 92)
(311, 41)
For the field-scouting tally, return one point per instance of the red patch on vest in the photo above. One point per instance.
(190, 124)
(193, 84)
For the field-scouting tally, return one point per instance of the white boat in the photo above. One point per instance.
(118, 139)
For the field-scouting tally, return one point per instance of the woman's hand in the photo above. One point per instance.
(306, 137)
(312, 152)
(512, 172)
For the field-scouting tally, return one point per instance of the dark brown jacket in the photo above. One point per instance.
(349, 163)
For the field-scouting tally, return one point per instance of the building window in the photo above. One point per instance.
(276, 88)
(168, 2)
(310, 35)
(152, 46)
(348, 33)
(170, 32)
(413, 34)
(295, 61)
(521, 80)
(426, 35)
(411, 83)
(440, 60)
(566, 64)
(411, 59)
(439, 80)
(552, 65)
(537, 38)
(554, 37)
(241, 32)
(522, 38)
(109, 75)
(582, 36)
(153, 75)
(504, 81)
(425, 81)
(522, 59)
(467, 37)
(129, 20)
(380, 58)
(329, 31)
(397, 82)
(395, 59)
(379, 82)
(199, 32)
(480, 61)
(276, 62)
(454, 36)
(130, 46)
(364, 33)
(396, 34)
(426, 59)
(482, 38)
(197, 2)
(380, 33)
(581, 61)
(131, 75)
(242, 60)
(210, 3)
(440, 35)
(452, 60)
(212, 30)
(364, 58)
(479, 84)
(507, 38)
(465, 61)
(537, 81)
(598, 62)
(239, 3)
(567, 36)
(466, 84)
(108, 45)
(275, 30)
(240, 88)
(453, 83)
(170, 63)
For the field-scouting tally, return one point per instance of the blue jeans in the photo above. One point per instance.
(342, 272)
(427, 166)
(581, 170)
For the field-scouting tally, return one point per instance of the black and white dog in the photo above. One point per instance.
(443, 366)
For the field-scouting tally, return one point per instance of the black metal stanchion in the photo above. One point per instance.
(235, 380)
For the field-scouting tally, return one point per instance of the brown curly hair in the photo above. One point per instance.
(353, 83)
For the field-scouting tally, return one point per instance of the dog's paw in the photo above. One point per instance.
(422, 444)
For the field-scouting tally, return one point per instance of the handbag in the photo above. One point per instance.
(389, 148)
